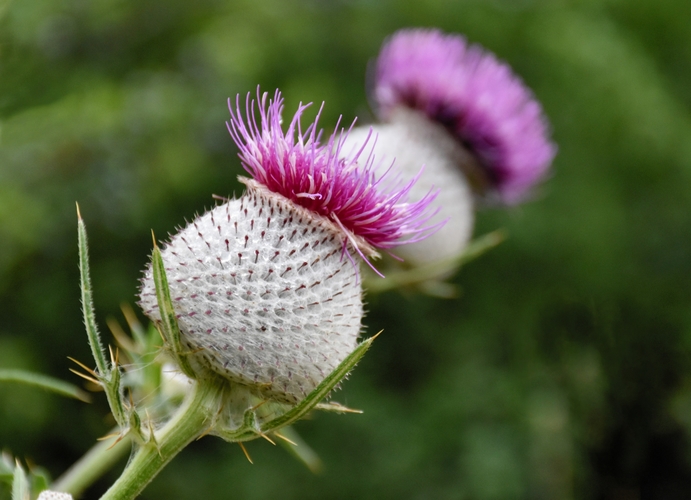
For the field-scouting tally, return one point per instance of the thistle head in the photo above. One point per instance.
(476, 97)
(260, 288)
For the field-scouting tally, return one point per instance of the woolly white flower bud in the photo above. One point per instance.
(262, 294)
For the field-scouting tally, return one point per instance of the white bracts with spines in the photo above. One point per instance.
(410, 140)
(263, 293)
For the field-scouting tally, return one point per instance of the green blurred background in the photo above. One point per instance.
(564, 369)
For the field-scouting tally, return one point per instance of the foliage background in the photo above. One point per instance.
(563, 371)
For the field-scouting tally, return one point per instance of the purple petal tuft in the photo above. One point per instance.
(476, 97)
(324, 179)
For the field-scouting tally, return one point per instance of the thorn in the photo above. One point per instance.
(336, 407)
(267, 438)
(247, 455)
(281, 436)
(371, 339)
(152, 433)
(259, 405)
(120, 437)
(85, 377)
(79, 215)
(107, 437)
(158, 329)
(114, 357)
(206, 432)
(153, 237)
(83, 366)
(198, 349)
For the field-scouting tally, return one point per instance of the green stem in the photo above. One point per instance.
(190, 421)
(99, 459)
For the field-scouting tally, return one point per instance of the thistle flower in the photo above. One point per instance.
(266, 286)
(435, 92)
(476, 97)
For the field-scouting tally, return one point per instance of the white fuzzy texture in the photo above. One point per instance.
(411, 140)
(263, 294)
(54, 495)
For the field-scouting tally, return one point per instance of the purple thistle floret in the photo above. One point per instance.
(373, 212)
(476, 97)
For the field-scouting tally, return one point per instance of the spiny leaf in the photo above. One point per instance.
(169, 323)
(107, 375)
(87, 299)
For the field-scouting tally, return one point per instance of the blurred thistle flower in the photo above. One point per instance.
(266, 287)
(467, 117)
